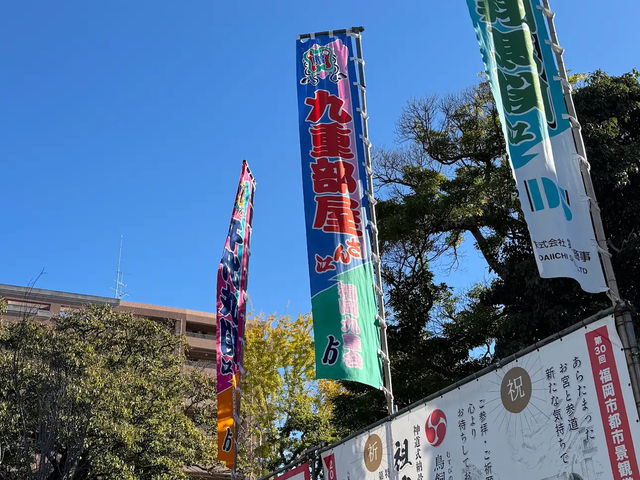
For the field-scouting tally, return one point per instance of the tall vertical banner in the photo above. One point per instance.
(520, 64)
(230, 308)
(346, 330)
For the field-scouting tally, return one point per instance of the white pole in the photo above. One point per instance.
(375, 249)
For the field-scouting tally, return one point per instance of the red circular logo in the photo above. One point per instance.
(436, 427)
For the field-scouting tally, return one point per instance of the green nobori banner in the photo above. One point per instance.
(336, 204)
(344, 349)
(523, 75)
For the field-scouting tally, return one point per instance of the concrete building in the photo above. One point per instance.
(198, 327)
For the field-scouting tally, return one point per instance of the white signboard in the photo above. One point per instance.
(563, 412)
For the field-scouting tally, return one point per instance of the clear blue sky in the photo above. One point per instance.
(133, 117)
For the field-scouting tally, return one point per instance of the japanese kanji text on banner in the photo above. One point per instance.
(524, 79)
(557, 413)
(346, 329)
(231, 291)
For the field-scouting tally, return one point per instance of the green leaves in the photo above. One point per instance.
(100, 394)
(285, 409)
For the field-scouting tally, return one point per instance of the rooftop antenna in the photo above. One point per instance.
(119, 288)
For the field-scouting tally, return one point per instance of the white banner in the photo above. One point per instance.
(563, 412)
(524, 78)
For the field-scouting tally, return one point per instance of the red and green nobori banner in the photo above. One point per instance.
(230, 308)
(343, 301)
(523, 75)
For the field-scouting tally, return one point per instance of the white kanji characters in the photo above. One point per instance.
(516, 388)
(348, 299)
(624, 468)
(608, 391)
(614, 421)
(605, 375)
(621, 453)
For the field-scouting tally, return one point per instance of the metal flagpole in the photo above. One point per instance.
(355, 32)
(235, 431)
(624, 321)
(237, 421)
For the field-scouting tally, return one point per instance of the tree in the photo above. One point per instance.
(452, 180)
(285, 411)
(609, 108)
(100, 395)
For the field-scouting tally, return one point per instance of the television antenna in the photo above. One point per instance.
(119, 287)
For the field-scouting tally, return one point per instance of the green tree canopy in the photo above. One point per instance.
(452, 179)
(101, 395)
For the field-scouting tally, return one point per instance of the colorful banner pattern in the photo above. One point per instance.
(347, 336)
(521, 67)
(231, 291)
(557, 413)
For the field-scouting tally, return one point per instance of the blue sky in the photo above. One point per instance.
(133, 118)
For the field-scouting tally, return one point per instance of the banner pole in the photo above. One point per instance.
(313, 458)
(375, 248)
(624, 325)
(624, 321)
(235, 432)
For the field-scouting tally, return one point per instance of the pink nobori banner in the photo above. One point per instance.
(230, 308)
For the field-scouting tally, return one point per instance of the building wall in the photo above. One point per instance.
(198, 327)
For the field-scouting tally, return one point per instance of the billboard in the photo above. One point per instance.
(230, 308)
(557, 413)
(520, 65)
(336, 203)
